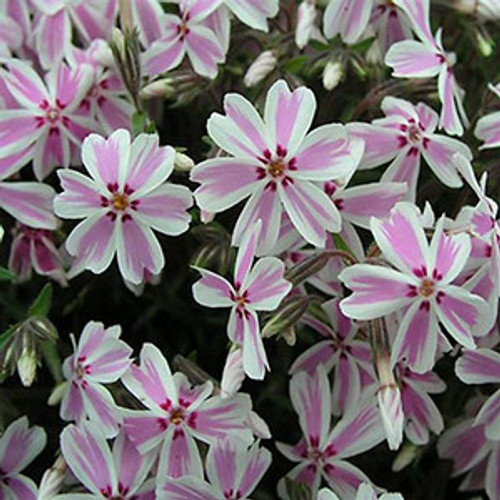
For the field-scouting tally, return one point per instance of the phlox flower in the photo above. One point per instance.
(420, 287)
(15, 25)
(176, 413)
(321, 453)
(254, 13)
(46, 126)
(275, 163)
(471, 451)
(55, 20)
(233, 471)
(342, 351)
(488, 126)
(482, 366)
(119, 472)
(427, 58)
(19, 446)
(125, 198)
(35, 249)
(256, 288)
(187, 33)
(365, 492)
(106, 101)
(100, 357)
(403, 137)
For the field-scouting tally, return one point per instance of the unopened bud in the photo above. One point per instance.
(258, 426)
(26, 366)
(118, 41)
(332, 74)
(287, 315)
(484, 43)
(57, 394)
(405, 457)
(307, 268)
(52, 480)
(488, 10)
(183, 163)
(260, 68)
(306, 17)
(233, 374)
(159, 88)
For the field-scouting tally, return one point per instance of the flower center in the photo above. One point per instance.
(427, 288)
(120, 201)
(414, 134)
(276, 168)
(177, 417)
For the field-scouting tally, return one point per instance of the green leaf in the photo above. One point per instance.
(139, 123)
(297, 491)
(6, 275)
(41, 306)
(295, 65)
(5, 336)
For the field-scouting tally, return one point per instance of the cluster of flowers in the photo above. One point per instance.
(424, 289)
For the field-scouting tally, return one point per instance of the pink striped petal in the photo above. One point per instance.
(489, 416)
(450, 94)
(488, 130)
(265, 285)
(413, 59)
(51, 150)
(19, 445)
(311, 399)
(344, 478)
(349, 18)
(165, 209)
(29, 203)
(72, 401)
(24, 83)
(222, 464)
(327, 153)
(53, 38)
(88, 456)
(254, 12)
(18, 131)
(492, 480)
(320, 353)
(113, 112)
(145, 429)
(346, 384)
(246, 254)
(213, 290)
(95, 19)
(312, 212)
(258, 461)
(148, 16)
(204, 51)
(152, 382)
(480, 366)
(254, 356)
(377, 291)
(418, 13)
(163, 56)
(19, 488)
(186, 488)
(101, 409)
(288, 115)
(405, 168)
(402, 239)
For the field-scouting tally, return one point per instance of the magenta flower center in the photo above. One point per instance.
(119, 201)
(276, 167)
(427, 288)
(177, 417)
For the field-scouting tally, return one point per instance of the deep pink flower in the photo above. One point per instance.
(427, 58)
(99, 358)
(322, 451)
(114, 473)
(420, 286)
(19, 446)
(123, 200)
(233, 471)
(46, 126)
(403, 137)
(258, 288)
(35, 249)
(276, 164)
(177, 413)
(188, 34)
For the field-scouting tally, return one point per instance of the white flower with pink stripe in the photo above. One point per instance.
(123, 200)
(276, 163)
(258, 288)
(420, 287)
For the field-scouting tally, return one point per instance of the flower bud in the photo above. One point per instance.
(57, 393)
(233, 374)
(183, 163)
(159, 88)
(260, 68)
(26, 366)
(405, 457)
(332, 74)
(307, 268)
(287, 315)
(258, 426)
(488, 10)
(52, 480)
(306, 17)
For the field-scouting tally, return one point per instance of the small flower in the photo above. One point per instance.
(260, 68)
(99, 358)
(19, 446)
(258, 288)
(125, 198)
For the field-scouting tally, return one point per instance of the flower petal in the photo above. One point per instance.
(213, 290)
(413, 59)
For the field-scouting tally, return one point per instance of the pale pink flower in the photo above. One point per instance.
(106, 101)
(275, 163)
(341, 351)
(321, 453)
(420, 287)
(46, 127)
(427, 58)
(187, 33)
(119, 472)
(55, 19)
(176, 413)
(254, 13)
(403, 137)
(488, 126)
(125, 198)
(349, 18)
(482, 366)
(19, 446)
(35, 249)
(233, 471)
(100, 357)
(471, 451)
(261, 287)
